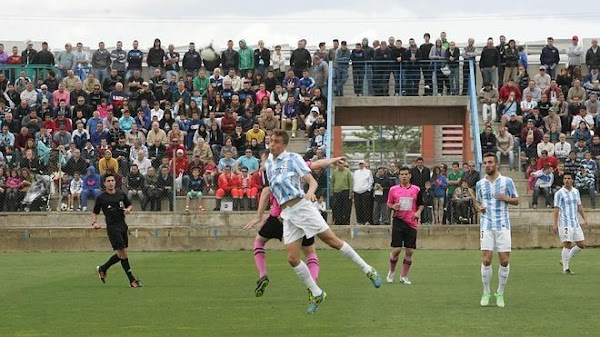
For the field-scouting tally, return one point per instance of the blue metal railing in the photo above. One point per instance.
(474, 117)
(329, 131)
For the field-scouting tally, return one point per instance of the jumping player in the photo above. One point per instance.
(285, 172)
(114, 205)
(272, 228)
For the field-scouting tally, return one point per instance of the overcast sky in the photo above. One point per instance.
(182, 21)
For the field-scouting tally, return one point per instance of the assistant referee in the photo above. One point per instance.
(114, 205)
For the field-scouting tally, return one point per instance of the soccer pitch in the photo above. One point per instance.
(212, 294)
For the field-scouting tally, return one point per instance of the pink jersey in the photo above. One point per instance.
(409, 199)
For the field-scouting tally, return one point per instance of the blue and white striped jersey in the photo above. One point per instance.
(567, 201)
(496, 216)
(285, 176)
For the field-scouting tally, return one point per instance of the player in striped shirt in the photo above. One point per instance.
(272, 227)
(567, 203)
(285, 172)
(494, 193)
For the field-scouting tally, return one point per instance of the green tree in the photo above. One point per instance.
(386, 143)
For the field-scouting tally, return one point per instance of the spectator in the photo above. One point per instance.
(505, 148)
(544, 159)
(488, 97)
(381, 188)
(572, 163)
(471, 175)
(91, 187)
(108, 163)
(136, 186)
(156, 133)
(543, 180)
(228, 184)
(362, 180)
(550, 57)
(462, 203)
(576, 91)
(489, 62)
(488, 140)
(75, 190)
(545, 145)
(419, 174)
(300, 58)
(542, 79)
(341, 186)
(248, 190)
(585, 181)
(439, 186)
(164, 185)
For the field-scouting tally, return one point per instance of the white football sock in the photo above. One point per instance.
(304, 274)
(565, 258)
(354, 257)
(486, 278)
(574, 251)
(502, 278)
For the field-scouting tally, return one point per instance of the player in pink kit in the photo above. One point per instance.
(272, 228)
(407, 202)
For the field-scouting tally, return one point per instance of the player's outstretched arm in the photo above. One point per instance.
(322, 163)
(262, 205)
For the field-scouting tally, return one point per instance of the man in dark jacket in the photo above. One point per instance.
(502, 65)
(300, 59)
(192, 61)
(135, 186)
(262, 58)
(230, 58)
(419, 174)
(45, 56)
(381, 69)
(592, 56)
(156, 56)
(76, 164)
(425, 48)
(381, 187)
(489, 62)
(550, 58)
(410, 63)
(358, 58)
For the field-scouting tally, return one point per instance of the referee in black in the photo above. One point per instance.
(114, 205)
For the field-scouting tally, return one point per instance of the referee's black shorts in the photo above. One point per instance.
(273, 229)
(403, 235)
(117, 235)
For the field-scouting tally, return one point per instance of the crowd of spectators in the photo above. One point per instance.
(448, 193)
(548, 123)
(194, 127)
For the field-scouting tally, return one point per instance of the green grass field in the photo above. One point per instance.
(211, 294)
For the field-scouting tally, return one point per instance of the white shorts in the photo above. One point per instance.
(302, 220)
(567, 234)
(498, 241)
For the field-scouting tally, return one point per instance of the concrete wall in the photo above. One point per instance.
(217, 231)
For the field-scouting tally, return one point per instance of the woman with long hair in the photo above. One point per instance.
(439, 185)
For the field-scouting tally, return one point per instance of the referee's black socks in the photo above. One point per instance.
(113, 259)
(127, 268)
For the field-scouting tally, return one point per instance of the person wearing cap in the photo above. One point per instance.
(29, 55)
(108, 163)
(550, 57)
(574, 54)
(542, 79)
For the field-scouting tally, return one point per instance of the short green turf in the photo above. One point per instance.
(212, 294)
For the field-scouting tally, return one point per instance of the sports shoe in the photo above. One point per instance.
(261, 284)
(101, 274)
(568, 272)
(374, 277)
(135, 284)
(499, 300)
(405, 280)
(314, 303)
(310, 295)
(485, 300)
(390, 277)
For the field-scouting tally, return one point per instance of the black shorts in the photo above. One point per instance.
(117, 235)
(403, 235)
(273, 229)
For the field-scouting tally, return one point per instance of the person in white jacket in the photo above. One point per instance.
(562, 148)
(75, 190)
(363, 182)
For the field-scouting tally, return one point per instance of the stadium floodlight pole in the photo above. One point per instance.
(474, 116)
(329, 131)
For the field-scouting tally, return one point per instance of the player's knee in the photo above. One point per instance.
(580, 245)
(293, 260)
(220, 193)
(504, 262)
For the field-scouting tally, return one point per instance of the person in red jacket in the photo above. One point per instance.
(506, 89)
(180, 165)
(173, 147)
(228, 123)
(545, 159)
(248, 191)
(530, 128)
(228, 184)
